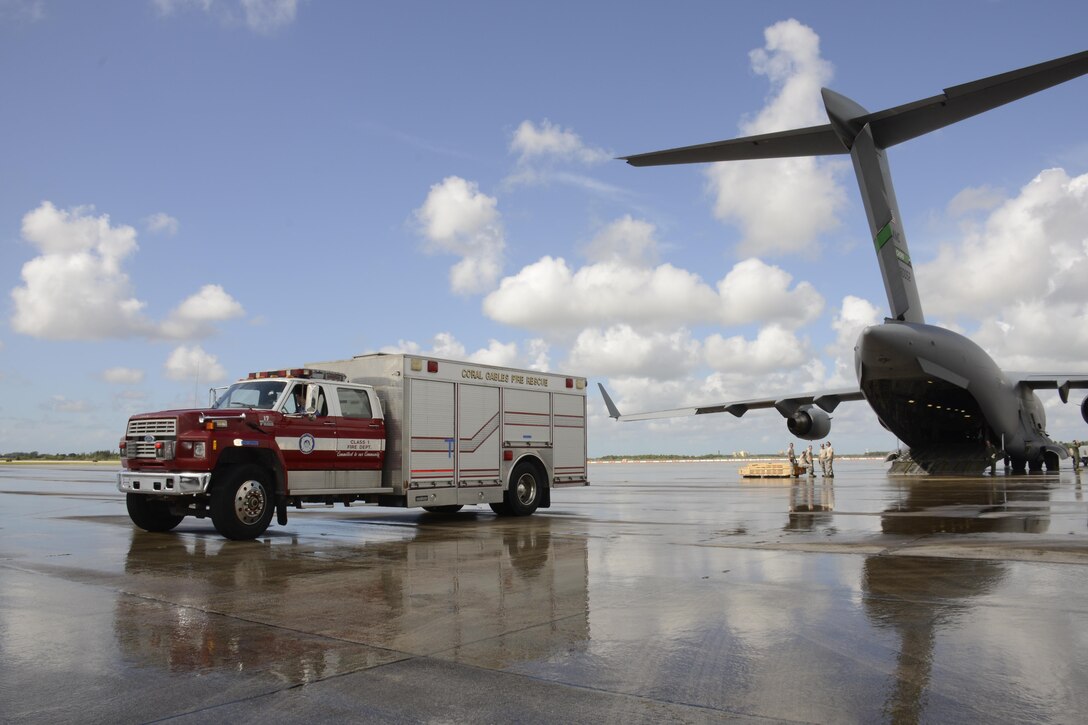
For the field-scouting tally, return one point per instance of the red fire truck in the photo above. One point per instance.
(392, 430)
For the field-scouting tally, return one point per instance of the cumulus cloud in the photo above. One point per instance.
(550, 295)
(162, 223)
(1020, 274)
(24, 11)
(501, 354)
(629, 240)
(854, 315)
(61, 404)
(457, 218)
(773, 348)
(620, 350)
(195, 316)
(77, 289)
(193, 363)
(782, 205)
(260, 16)
(548, 140)
(123, 376)
(546, 151)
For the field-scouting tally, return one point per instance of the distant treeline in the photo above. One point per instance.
(671, 457)
(35, 456)
(714, 456)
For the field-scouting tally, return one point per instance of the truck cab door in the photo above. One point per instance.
(308, 444)
(360, 444)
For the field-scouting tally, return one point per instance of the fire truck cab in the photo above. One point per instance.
(392, 430)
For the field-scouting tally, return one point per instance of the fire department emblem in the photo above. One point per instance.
(306, 443)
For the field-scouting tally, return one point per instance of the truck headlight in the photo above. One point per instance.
(200, 449)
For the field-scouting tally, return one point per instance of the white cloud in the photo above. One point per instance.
(782, 205)
(266, 16)
(973, 199)
(60, 404)
(123, 376)
(77, 289)
(626, 240)
(457, 218)
(755, 291)
(162, 223)
(622, 351)
(549, 295)
(193, 363)
(260, 16)
(549, 140)
(853, 316)
(502, 354)
(542, 150)
(193, 318)
(26, 11)
(773, 348)
(1020, 273)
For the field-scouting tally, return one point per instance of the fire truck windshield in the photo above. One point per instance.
(261, 394)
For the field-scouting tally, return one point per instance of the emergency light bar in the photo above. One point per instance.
(304, 373)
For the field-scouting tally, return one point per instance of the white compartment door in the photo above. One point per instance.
(431, 431)
(527, 417)
(570, 438)
(478, 431)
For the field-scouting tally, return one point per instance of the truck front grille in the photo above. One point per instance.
(143, 433)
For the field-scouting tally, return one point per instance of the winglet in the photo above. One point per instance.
(613, 411)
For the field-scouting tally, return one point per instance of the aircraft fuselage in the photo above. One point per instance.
(937, 391)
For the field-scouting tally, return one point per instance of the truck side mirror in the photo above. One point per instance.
(312, 390)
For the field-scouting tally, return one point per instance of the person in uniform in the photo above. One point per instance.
(792, 456)
(806, 458)
(830, 470)
(1074, 450)
(823, 459)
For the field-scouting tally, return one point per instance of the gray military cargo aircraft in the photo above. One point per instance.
(936, 390)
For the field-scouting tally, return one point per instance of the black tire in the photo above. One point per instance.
(243, 501)
(526, 486)
(451, 509)
(149, 513)
(1051, 461)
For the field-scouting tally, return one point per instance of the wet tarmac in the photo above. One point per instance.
(662, 593)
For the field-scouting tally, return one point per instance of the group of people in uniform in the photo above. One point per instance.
(826, 457)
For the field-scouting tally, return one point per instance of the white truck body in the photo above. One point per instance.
(456, 431)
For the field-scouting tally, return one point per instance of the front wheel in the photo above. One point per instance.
(242, 502)
(149, 513)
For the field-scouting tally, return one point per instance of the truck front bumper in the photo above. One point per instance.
(163, 484)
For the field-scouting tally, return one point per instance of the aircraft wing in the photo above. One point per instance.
(828, 400)
(1051, 381)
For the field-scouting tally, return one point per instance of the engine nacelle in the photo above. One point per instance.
(809, 423)
(1084, 409)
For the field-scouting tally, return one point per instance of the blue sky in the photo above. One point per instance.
(194, 189)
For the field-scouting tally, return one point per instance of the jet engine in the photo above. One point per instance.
(1084, 409)
(809, 423)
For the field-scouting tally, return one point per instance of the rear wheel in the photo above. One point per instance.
(526, 484)
(150, 514)
(242, 502)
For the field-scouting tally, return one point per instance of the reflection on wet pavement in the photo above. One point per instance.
(663, 592)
